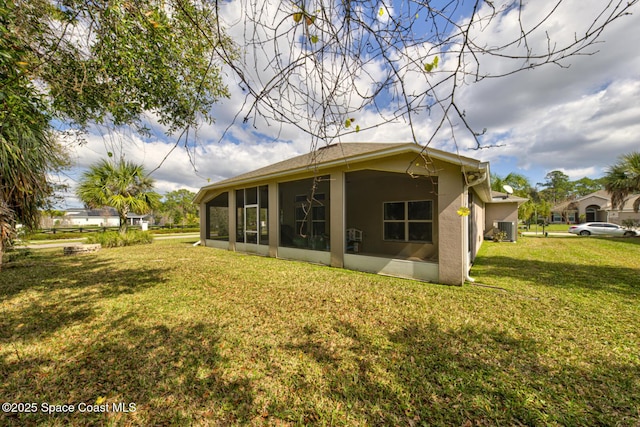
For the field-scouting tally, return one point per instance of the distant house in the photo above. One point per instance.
(82, 217)
(394, 209)
(594, 207)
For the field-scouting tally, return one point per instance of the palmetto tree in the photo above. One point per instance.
(623, 179)
(123, 186)
(29, 151)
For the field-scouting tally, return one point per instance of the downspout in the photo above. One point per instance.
(466, 188)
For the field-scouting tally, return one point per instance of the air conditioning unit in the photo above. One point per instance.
(509, 228)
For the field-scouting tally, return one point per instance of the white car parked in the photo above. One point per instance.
(601, 228)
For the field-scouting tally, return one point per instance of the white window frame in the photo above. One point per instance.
(406, 221)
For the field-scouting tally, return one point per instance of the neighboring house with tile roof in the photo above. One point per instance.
(396, 209)
(594, 207)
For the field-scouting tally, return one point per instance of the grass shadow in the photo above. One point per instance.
(427, 374)
(173, 375)
(621, 280)
(73, 285)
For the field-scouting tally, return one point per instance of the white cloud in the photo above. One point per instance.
(579, 118)
(575, 174)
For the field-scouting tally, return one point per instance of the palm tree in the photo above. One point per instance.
(29, 151)
(123, 186)
(519, 183)
(623, 179)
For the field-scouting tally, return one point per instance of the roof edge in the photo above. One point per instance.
(372, 155)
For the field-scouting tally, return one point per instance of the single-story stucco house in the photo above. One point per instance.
(389, 208)
(84, 217)
(594, 207)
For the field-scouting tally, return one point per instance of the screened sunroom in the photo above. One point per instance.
(382, 208)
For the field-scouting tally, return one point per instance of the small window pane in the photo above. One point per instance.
(240, 225)
(420, 210)
(318, 228)
(318, 213)
(252, 219)
(252, 196)
(301, 228)
(300, 214)
(420, 231)
(394, 230)
(394, 211)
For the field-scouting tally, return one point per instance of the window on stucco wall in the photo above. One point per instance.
(408, 221)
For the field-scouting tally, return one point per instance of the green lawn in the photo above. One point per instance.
(552, 228)
(195, 336)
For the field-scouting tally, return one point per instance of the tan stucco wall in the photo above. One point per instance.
(500, 212)
(202, 208)
(337, 219)
(618, 217)
(595, 201)
(451, 196)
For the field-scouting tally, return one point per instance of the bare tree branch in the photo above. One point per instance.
(320, 65)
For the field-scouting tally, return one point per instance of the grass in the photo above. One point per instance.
(197, 336)
(111, 239)
(61, 234)
(550, 228)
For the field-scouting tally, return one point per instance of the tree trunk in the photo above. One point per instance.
(123, 220)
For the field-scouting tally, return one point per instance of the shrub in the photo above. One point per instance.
(51, 236)
(499, 236)
(175, 230)
(112, 239)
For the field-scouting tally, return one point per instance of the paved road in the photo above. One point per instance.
(71, 242)
(550, 233)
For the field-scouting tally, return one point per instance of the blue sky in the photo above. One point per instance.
(577, 118)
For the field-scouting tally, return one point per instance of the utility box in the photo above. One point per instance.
(509, 228)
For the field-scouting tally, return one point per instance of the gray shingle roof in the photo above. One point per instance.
(342, 152)
(313, 159)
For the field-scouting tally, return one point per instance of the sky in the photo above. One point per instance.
(578, 118)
